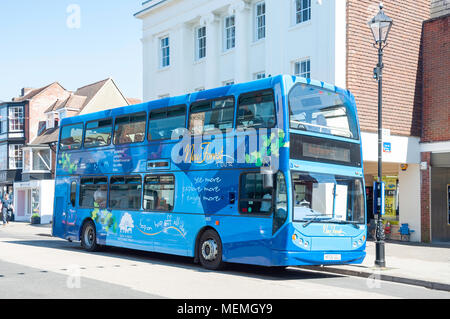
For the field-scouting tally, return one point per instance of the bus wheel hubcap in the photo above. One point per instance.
(89, 236)
(209, 250)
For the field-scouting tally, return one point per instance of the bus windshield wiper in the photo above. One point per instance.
(309, 222)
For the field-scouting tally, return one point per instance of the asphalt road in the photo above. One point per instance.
(35, 265)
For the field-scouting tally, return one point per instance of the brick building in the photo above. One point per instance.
(435, 139)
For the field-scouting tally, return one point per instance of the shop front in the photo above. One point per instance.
(401, 174)
(34, 198)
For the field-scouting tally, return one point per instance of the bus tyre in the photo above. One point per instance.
(89, 237)
(210, 250)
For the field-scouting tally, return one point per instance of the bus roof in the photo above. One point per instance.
(229, 90)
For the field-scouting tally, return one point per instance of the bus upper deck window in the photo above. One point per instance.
(211, 115)
(71, 137)
(130, 129)
(321, 111)
(98, 133)
(163, 123)
(256, 110)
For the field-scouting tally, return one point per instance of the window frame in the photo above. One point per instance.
(299, 12)
(144, 114)
(257, 26)
(16, 124)
(299, 62)
(13, 158)
(256, 92)
(163, 58)
(85, 132)
(109, 192)
(174, 192)
(200, 43)
(229, 38)
(211, 101)
(165, 109)
(82, 137)
(240, 199)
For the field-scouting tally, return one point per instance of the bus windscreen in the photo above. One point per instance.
(318, 110)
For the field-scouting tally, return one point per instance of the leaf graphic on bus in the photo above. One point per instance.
(66, 164)
(270, 147)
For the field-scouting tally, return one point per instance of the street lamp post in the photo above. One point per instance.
(380, 25)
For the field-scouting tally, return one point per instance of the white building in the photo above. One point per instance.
(192, 45)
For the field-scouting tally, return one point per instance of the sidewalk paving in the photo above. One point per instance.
(426, 265)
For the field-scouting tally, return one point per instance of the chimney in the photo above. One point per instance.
(25, 91)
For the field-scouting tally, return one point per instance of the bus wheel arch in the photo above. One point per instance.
(208, 238)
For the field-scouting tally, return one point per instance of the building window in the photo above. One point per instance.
(3, 157)
(302, 11)
(230, 33)
(200, 40)
(303, 68)
(260, 10)
(4, 120)
(229, 82)
(259, 75)
(36, 160)
(164, 52)
(16, 119)
(15, 156)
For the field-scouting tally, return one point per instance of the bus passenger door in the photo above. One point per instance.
(70, 211)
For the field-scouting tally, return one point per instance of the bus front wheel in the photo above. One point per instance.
(210, 250)
(89, 237)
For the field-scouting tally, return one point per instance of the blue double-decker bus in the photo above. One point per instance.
(267, 173)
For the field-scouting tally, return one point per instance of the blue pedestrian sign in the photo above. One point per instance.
(387, 147)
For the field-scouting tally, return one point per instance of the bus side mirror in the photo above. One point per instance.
(268, 180)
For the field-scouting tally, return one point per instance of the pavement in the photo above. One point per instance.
(419, 264)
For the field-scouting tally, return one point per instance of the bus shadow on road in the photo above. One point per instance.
(153, 258)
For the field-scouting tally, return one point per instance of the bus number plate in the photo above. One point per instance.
(332, 257)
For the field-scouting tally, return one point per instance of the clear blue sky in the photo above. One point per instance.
(38, 46)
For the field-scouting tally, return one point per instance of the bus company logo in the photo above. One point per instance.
(126, 224)
(203, 155)
(333, 230)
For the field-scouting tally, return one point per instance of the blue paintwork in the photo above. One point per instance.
(202, 192)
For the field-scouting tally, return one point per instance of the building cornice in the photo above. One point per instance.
(150, 7)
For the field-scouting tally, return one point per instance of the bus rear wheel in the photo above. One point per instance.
(210, 250)
(89, 237)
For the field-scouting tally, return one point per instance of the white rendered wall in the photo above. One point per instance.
(322, 39)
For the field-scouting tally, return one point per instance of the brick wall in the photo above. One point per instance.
(402, 79)
(40, 103)
(425, 200)
(436, 80)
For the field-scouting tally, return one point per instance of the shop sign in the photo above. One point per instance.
(387, 147)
